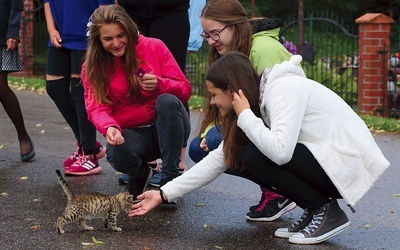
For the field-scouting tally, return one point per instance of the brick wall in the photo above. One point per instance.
(26, 44)
(374, 30)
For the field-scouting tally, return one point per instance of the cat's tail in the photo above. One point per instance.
(64, 185)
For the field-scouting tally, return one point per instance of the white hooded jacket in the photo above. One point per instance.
(299, 110)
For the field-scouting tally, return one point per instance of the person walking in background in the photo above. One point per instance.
(67, 23)
(195, 40)
(226, 28)
(134, 94)
(290, 134)
(167, 20)
(10, 22)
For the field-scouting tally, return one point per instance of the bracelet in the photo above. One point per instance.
(162, 197)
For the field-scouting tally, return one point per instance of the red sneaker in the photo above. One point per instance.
(85, 165)
(101, 152)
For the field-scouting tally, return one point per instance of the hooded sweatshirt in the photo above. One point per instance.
(266, 50)
(298, 110)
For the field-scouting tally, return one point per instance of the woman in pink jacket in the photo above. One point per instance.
(134, 91)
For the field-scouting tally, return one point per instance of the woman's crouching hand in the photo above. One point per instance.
(148, 201)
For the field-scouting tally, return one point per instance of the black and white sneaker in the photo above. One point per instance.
(300, 224)
(271, 207)
(327, 221)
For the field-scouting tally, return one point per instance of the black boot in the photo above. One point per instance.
(137, 186)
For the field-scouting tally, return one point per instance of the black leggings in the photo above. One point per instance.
(68, 94)
(302, 179)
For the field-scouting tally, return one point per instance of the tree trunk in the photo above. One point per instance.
(301, 17)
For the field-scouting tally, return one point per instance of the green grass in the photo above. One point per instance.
(375, 123)
(33, 84)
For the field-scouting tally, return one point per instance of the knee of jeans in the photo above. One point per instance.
(166, 101)
(195, 152)
(123, 161)
(213, 139)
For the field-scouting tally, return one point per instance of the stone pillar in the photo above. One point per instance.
(374, 30)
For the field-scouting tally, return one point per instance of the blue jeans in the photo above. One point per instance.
(213, 138)
(164, 139)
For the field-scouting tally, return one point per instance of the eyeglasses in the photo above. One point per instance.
(214, 35)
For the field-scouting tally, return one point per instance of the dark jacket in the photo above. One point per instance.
(10, 19)
(150, 9)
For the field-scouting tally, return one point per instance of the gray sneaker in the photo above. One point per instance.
(327, 221)
(300, 224)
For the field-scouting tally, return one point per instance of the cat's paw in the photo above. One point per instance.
(117, 229)
(60, 231)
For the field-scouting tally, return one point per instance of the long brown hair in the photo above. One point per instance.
(235, 70)
(232, 14)
(99, 63)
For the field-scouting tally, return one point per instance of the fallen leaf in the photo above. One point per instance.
(23, 178)
(38, 125)
(96, 241)
(36, 200)
(218, 247)
(4, 194)
(199, 205)
(42, 131)
(397, 195)
(88, 244)
(392, 211)
(30, 219)
(205, 226)
(1, 146)
(367, 226)
(35, 227)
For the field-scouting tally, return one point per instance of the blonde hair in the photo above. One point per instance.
(99, 63)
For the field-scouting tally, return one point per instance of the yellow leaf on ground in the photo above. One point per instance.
(4, 194)
(1, 146)
(23, 178)
(96, 241)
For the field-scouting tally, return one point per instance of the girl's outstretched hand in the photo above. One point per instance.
(148, 201)
(240, 102)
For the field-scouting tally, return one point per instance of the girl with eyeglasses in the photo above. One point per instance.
(226, 28)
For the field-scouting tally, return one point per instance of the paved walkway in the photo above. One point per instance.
(31, 200)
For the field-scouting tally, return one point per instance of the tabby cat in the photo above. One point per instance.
(92, 205)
